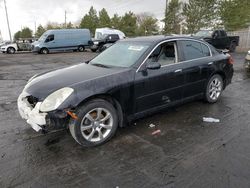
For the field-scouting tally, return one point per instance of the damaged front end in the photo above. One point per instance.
(29, 109)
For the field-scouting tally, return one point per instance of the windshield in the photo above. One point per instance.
(204, 33)
(121, 54)
(43, 37)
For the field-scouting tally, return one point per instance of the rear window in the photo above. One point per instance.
(194, 50)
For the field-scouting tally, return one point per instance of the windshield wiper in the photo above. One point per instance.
(100, 65)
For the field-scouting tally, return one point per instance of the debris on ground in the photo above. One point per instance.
(211, 120)
(158, 131)
(152, 125)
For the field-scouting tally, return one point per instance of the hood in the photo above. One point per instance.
(44, 84)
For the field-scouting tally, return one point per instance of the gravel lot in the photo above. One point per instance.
(187, 153)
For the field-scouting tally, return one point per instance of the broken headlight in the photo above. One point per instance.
(54, 100)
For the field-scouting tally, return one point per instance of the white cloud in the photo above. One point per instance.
(27, 12)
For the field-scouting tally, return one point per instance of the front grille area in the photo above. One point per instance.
(32, 100)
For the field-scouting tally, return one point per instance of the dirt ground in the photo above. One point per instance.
(187, 153)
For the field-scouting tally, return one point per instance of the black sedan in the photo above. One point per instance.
(129, 80)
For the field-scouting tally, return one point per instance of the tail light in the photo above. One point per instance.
(230, 60)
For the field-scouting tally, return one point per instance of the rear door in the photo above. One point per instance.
(197, 64)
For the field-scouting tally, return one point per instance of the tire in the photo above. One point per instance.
(93, 50)
(11, 50)
(214, 89)
(90, 130)
(44, 51)
(232, 47)
(81, 48)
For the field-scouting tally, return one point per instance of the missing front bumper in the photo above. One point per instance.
(32, 115)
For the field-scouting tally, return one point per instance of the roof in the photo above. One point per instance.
(158, 38)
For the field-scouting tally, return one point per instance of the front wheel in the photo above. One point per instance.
(214, 89)
(44, 51)
(11, 50)
(81, 48)
(96, 123)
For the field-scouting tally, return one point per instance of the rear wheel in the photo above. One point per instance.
(96, 124)
(214, 88)
(93, 50)
(44, 51)
(81, 48)
(11, 50)
(232, 47)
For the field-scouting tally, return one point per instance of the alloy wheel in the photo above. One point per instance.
(215, 89)
(96, 124)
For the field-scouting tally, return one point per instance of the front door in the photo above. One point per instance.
(163, 86)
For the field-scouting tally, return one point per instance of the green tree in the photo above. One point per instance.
(17, 35)
(104, 19)
(24, 33)
(199, 14)
(172, 17)
(128, 24)
(147, 24)
(234, 14)
(90, 20)
(116, 21)
(40, 30)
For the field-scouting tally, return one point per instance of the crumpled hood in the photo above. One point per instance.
(46, 83)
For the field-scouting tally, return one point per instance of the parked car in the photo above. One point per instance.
(20, 46)
(105, 36)
(131, 79)
(247, 61)
(4, 43)
(62, 40)
(99, 44)
(219, 39)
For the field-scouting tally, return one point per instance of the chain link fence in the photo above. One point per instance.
(244, 44)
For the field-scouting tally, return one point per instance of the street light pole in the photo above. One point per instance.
(7, 18)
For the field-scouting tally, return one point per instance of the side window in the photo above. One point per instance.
(205, 50)
(49, 38)
(164, 54)
(194, 50)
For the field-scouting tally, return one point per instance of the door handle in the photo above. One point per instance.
(178, 70)
(210, 63)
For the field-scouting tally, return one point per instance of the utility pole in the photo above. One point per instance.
(7, 18)
(166, 10)
(35, 30)
(65, 19)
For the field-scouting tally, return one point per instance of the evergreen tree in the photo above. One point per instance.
(40, 30)
(234, 14)
(128, 24)
(90, 21)
(104, 19)
(199, 14)
(172, 17)
(116, 21)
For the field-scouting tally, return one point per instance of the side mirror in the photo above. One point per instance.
(154, 65)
